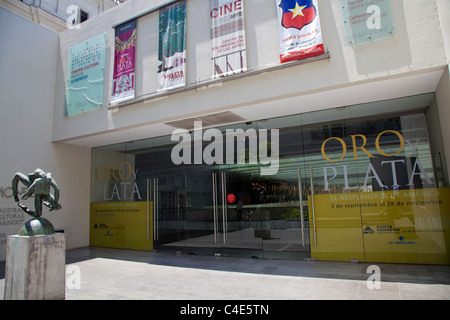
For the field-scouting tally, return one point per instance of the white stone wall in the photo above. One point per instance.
(28, 82)
(352, 74)
(33, 68)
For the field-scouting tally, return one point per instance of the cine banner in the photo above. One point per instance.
(172, 47)
(85, 75)
(229, 54)
(300, 31)
(124, 62)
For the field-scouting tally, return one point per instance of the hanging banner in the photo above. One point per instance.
(228, 37)
(124, 62)
(300, 32)
(85, 75)
(172, 47)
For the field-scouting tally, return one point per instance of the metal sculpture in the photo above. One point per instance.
(39, 184)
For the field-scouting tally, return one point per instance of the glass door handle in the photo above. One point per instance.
(155, 208)
(214, 185)
(148, 209)
(224, 207)
(300, 194)
(312, 204)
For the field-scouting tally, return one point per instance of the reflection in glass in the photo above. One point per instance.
(366, 186)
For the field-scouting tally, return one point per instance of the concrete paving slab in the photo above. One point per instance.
(114, 274)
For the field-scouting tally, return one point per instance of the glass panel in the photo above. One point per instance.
(240, 214)
(287, 235)
(375, 196)
(121, 216)
(367, 185)
(366, 22)
(196, 209)
(403, 217)
(242, 222)
(335, 231)
(167, 189)
(86, 73)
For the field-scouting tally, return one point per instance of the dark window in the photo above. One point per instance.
(83, 16)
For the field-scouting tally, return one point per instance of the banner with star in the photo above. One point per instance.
(124, 62)
(300, 31)
(229, 53)
(172, 46)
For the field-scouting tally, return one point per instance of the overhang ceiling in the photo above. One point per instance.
(365, 94)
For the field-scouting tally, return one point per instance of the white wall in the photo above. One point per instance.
(443, 113)
(27, 91)
(417, 48)
(59, 7)
(443, 90)
(34, 63)
(444, 17)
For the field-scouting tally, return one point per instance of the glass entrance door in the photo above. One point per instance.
(261, 216)
(286, 208)
(354, 183)
(235, 211)
(241, 220)
(241, 210)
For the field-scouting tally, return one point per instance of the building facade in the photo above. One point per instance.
(200, 127)
(58, 15)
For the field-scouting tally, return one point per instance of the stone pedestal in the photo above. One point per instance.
(35, 267)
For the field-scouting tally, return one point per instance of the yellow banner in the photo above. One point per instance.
(122, 225)
(405, 226)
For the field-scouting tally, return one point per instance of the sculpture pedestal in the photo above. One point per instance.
(36, 267)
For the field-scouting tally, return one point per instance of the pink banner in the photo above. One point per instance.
(124, 62)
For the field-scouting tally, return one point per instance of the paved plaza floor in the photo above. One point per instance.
(114, 274)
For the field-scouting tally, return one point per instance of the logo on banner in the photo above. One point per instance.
(297, 14)
(368, 230)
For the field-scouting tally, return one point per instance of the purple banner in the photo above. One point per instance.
(124, 62)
